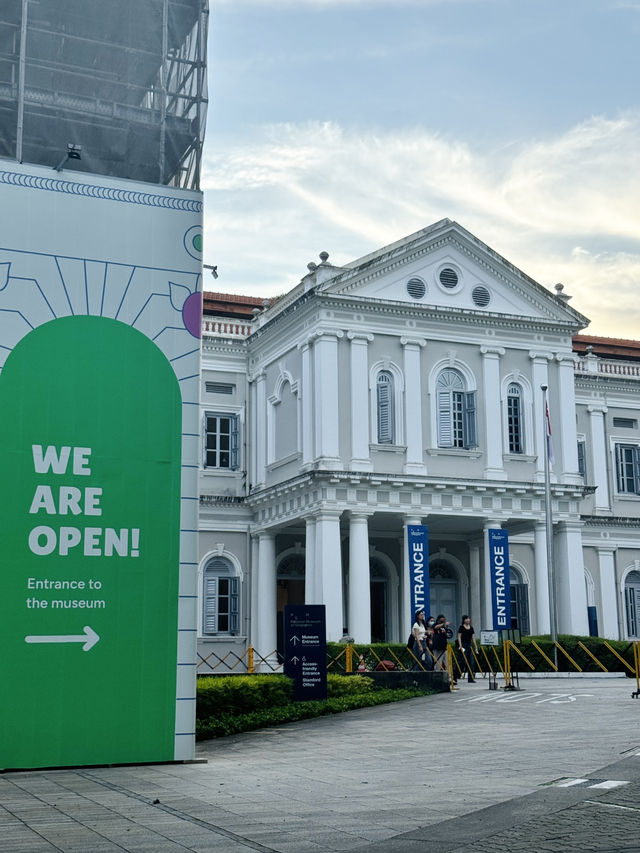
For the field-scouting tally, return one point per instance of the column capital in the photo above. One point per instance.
(536, 355)
(360, 337)
(257, 375)
(360, 515)
(568, 358)
(606, 549)
(326, 333)
(597, 409)
(411, 519)
(413, 342)
(496, 351)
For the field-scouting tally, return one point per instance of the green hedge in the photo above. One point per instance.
(224, 723)
(238, 703)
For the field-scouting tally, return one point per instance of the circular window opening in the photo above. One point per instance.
(481, 296)
(448, 278)
(416, 288)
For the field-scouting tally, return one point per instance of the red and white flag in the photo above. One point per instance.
(547, 425)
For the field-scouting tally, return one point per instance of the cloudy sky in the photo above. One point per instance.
(343, 125)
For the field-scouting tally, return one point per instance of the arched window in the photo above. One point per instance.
(385, 407)
(632, 604)
(456, 411)
(221, 598)
(519, 601)
(515, 425)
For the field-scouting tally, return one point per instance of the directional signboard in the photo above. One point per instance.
(305, 656)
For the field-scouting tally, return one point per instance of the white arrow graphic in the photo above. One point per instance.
(89, 638)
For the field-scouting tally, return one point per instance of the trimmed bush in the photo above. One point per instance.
(225, 723)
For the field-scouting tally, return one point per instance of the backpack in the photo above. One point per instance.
(411, 641)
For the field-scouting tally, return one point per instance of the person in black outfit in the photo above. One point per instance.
(467, 641)
(441, 633)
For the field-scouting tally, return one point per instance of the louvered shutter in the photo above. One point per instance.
(636, 470)
(582, 466)
(210, 620)
(234, 606)
(385, 408)
(445, 419)
(470, 433)
(234, 443)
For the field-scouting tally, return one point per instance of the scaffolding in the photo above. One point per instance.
(117, 86)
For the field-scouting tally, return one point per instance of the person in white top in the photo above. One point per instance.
(419, 632)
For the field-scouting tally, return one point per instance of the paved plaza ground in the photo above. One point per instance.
(554, 767)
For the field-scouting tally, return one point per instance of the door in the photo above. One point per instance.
(443, 600)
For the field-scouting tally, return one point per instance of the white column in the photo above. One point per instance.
(327, 415)
(598, 458)
(570, 582)
(541, 623)
(608, 627)
(359, 622)
(494, 468)
(267, 596)
(261, 429)
(328, 567)
(565, 421)
(539, 376)
(359, 363)
(254, 594)
(307, 405)
(310, 575)
(413, 406)
(474, 579)
(405, 584)
(487, 603)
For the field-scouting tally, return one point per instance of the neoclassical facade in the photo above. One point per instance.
(405, 388)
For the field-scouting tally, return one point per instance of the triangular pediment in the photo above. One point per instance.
(445, 267)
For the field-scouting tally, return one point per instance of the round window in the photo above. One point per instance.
(416, 288)
(448, 278)
(481, 296)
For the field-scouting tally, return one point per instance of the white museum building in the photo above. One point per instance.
(405, 388)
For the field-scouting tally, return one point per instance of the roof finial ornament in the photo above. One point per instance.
(559, 287)
(324, 257)
(311, 266)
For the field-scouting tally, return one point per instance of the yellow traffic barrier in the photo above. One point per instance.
(545, 656)
(568, 656)
(591, 655)
(611, 649)
(525, 659)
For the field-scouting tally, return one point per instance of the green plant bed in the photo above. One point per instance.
(226, 723)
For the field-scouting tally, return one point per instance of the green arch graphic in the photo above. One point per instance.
(90, 442)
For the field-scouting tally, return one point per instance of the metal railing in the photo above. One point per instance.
(487, 662)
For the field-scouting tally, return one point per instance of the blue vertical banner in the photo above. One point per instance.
(500, 585)
(418, 542)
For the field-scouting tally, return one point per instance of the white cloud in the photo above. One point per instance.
(563, 209)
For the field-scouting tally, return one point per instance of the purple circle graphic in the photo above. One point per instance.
(192, 314)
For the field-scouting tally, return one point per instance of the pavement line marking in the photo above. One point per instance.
(610, 783)
(612, 806)
(571, 782)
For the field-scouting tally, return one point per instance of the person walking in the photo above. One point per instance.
(467, 641)
(419, 631)
(441, 634)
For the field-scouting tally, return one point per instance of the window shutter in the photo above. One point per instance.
(582, 467)
(470, 434)
(385, 408)
(234, 606)
(636, 470)
(445, 419)
(210, 621)
(234, 442)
